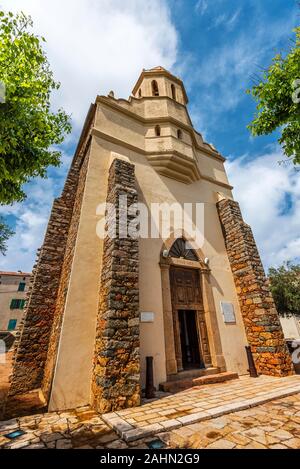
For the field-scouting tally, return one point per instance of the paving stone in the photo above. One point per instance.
(277, 446)
(8, 425)
(238, 439)
(221, 444)
(142, 432)
(192, 418)
(117, 444)
(51, 437)
(63, 444)
(18, 445)
(107, 438)
(36, 446)
(60, 427)
(293, 443)
(3, 441)
(50, 445)
(171, 424)
(219, 422)
(121, 428)
(255, 445)
(282, 434)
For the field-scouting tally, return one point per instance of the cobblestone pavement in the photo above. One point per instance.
(275, 424)
(272, 425)
(199, 403)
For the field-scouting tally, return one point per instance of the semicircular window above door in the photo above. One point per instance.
(179, 250)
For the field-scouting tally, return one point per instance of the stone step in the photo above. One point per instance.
(181, 384)
(194, 373)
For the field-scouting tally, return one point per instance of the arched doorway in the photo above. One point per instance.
(192, 339)
(186, 305)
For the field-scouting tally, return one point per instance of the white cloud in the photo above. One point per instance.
(31, 220)
(225, 20)
(225, 72)
(93, 46)
(97, 45)
(201, 7)
(261, 186)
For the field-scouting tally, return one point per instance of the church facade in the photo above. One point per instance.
(100, 304)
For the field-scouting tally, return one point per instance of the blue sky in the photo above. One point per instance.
(216, 47)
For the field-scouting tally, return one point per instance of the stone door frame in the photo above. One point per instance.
(208, 315)
(197, 307)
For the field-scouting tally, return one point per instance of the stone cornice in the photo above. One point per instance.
(206, 148)
(172, 157)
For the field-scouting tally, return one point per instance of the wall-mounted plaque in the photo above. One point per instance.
(147, 316)
(228, 312)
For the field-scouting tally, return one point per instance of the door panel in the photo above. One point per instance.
(190, 333)
(185, 288)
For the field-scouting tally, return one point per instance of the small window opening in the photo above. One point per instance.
(179, 134)
(173, 90)
(154, 88)
(157, 130)
(140, 93)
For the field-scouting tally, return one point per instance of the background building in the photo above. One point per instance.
(13, 290)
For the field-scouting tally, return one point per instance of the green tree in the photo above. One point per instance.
(278, 98)
(5, 233)
(285, 287)
(28, 126)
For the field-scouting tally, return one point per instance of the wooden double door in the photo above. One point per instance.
(190, 332)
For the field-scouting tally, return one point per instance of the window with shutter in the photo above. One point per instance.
(21, 286)
(12, 324)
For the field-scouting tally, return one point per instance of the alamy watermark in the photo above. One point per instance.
(2, 352)
(296, 352)
(158, 220)
(2, 92)
(296, 92)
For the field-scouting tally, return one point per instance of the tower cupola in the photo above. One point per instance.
(159, 83)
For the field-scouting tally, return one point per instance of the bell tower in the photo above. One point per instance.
(159, 83)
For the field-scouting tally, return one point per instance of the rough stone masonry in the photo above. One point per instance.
(263, 329)
(116, 374)
(33, 342)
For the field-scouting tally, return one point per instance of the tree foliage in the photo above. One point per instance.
(285, 287)
(28, 127)
(278, 98)
(5, 234)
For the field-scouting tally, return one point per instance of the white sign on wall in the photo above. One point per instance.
(147, 316)
(228, 312)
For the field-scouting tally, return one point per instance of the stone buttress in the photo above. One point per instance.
(116, 375)
(261, 320)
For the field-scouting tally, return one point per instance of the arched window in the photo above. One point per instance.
(180, 250)
(173, 90)
(154, 86)
(179, 134)
(157, 130)
(140, 93)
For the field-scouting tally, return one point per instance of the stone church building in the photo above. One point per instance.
(98, 307)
